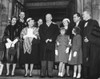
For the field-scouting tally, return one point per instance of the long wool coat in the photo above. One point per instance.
(92, 48)
(63, 44)
(76, 46)
(45, 33)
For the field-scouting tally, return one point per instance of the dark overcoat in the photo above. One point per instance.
(19, 27)
(91, 50)
(45, 33)
(10, 32)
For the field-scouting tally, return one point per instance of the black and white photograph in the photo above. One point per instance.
(49, 39)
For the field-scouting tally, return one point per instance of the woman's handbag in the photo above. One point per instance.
(12, 51)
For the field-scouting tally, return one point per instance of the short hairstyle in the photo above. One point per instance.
(78, 14)
(49, 14)
(22, 12)
(62, 28)
(77, 30)
(88, 11)
(12, 18)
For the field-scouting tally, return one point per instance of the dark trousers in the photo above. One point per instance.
(86, 52)
(94, 62)
(91, 66)
(46, 68)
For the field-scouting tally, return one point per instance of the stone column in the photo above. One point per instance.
(79, 6)
(96, 10)
(10, 9)
(6, 10)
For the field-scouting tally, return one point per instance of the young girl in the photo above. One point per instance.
(75, 57)
(62, 49)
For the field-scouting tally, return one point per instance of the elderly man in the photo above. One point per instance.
(48, 34)
(91, 46)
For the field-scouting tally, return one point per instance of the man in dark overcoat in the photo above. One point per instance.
(21, 23)
(78, 22)
(91, 46)
(48, 33)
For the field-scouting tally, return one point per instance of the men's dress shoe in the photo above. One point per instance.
(50, 76)
(42, 76)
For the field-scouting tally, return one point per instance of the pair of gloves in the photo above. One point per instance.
(70, 55)
(56, 51)
(74, 55)
(11, 43)
(48, 40)
(67, 50)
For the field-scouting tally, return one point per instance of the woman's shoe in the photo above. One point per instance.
(68, 75)
(59, 74)
(7, 74)
(25, 75)
(30, 75)
(12, 74)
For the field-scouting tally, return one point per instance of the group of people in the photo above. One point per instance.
(75, 43)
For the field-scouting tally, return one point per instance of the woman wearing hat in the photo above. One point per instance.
(65, 23)
(30, 43)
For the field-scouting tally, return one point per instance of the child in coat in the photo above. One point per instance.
(62, 50)
(75, 57)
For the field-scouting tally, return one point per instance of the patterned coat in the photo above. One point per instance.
(63, 44)
(27, 43)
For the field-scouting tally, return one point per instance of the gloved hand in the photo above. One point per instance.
(56, 52)
(8, 45)
(67, 50)
(75, 54)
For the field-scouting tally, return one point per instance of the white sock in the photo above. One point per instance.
(58, 73)
(79, 75)
(61, 74)
(74, 75)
